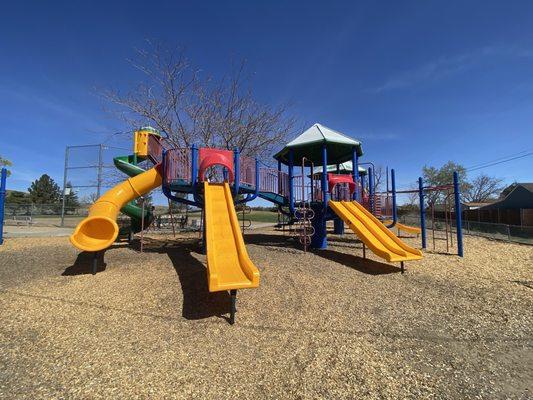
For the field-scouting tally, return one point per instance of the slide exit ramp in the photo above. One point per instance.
(228, 264)
(376, 236)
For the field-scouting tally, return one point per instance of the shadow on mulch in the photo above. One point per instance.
(84, 264)
(269, 240)
(360, 264)
(198, 302)
(441, 253)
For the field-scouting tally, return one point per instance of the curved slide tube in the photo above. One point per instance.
(128, 165)
(99, 230)
(228, 264)
(373, 233)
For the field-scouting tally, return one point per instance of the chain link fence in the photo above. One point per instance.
(511, 233)
(31, 214)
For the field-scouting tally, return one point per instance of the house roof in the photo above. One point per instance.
(528, 186)
(519, 195)
(309, 145)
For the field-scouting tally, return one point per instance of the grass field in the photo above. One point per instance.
(263, 216)
(254, 216)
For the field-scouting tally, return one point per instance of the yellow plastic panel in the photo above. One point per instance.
(228, 264)
(140, 140)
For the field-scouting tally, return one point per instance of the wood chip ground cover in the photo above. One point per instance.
(324, 324)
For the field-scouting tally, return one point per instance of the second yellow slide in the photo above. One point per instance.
(373, 233)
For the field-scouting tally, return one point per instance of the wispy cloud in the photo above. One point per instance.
(445, 66)
(49, 104)
(378, 136)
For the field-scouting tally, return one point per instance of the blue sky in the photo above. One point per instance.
(418, 82)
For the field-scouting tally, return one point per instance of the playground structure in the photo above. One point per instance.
(217, 180)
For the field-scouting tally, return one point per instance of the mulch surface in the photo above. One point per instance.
(324, 324)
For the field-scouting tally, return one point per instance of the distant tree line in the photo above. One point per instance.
(43, 192)
(482, 188)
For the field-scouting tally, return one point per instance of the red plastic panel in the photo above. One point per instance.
(334, 179)
(209, 157)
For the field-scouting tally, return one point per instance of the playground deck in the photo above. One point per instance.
(321, 325)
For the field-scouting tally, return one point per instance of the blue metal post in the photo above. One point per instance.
(279, 177)
(338, 224)
(194, 165)
(194, 176)
(371, 189)
(3, 178)
(422, 211)
(256, 178)
(393, 187)
(458, 219)
(312, 183)
(325, 197)
(237, 170)
(319, 240)
(355, 173)
(291, 181)
(394, 205)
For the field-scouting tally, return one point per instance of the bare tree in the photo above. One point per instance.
(379, 176)
(483, 188)
(177, 99)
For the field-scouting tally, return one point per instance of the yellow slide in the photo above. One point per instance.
(402, 227)
(99, 230)
(228, 264)
(373, 233)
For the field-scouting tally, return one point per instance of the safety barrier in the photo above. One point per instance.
(273, 181)
(177, 165)
(247, 171)
(155, 149)
(341, 191)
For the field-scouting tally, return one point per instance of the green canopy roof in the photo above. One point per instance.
(309, 145)
(344, 168)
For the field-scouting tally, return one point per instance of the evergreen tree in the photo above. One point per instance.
(16, 197)
(71, 199)
(44, 191)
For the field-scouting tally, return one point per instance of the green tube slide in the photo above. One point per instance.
(128, 165)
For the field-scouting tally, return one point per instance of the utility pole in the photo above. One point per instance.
(64, 187)
(100, 165)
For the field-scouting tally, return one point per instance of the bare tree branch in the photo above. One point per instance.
(224, 113)
(483, 188)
